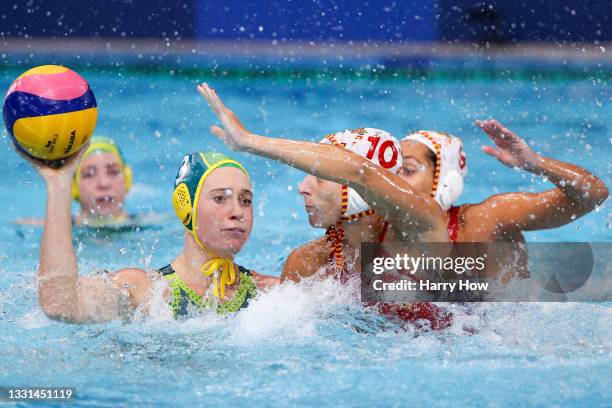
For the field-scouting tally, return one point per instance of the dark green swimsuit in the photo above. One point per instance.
(183, 296)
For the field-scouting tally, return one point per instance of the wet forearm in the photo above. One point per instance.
(58, 271)
(320, 160)
(394, 199)
(578, 183)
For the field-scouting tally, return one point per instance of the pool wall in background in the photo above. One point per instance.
(498, 21)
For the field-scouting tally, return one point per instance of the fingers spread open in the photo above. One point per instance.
(490, 128)
(492, 151)
(205, 91)
(213, 100)
(217, 131)
(500, 130)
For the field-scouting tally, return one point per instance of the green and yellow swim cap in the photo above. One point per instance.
(103, 144)
(187, 188)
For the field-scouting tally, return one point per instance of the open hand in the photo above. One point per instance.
(233, 133)
(510, 149)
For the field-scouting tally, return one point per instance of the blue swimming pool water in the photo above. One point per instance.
(308, 345)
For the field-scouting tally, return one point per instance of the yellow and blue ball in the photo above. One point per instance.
(50, 112)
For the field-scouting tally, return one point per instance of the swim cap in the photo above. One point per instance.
(379, 147)
(376, 145)
(451, 165)
(187, 187)
(103, 144)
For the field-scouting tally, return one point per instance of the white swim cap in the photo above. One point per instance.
(376, 145)
(379, 147)
(451, 165)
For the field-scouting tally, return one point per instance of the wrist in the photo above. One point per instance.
(55, 184)
(533, 163)
(251, 144)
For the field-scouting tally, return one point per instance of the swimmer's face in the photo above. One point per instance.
(225, 211)
(322, 201)
(418, 166)
(101, 185)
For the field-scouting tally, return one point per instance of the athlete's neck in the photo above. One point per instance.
(188, 265)
(366, 229)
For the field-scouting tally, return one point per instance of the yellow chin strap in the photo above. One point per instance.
(228, 274)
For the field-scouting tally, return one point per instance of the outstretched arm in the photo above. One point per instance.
(389, 195)
(577, 191)
(62, 294)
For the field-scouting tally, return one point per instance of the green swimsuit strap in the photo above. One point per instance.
(183, 293)
(245, 291)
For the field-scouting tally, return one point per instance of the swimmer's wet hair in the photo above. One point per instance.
(432, 158)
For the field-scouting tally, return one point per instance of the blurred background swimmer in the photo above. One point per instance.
(213, 200)
(101, 184)
(100, 187)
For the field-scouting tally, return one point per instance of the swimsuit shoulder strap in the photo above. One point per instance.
(453, 223)
(246, 290)
(244, 270)
(166, 270)
(182, 294)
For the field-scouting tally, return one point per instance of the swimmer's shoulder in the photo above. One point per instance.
(477, 222)
(306, 260)
(136, 281)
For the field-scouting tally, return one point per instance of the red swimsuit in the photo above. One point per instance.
(453, 223)
(423, 315)
(420, 313)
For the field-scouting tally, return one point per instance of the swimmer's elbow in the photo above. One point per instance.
(594, 196)
(59, 305)
(60, 312)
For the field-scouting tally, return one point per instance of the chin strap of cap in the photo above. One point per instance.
(335, 233)
(222, 270)
(226, 277)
